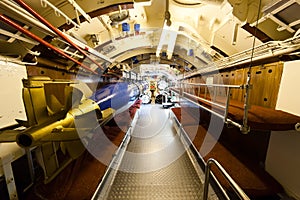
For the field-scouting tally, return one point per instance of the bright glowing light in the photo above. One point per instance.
(168, 37)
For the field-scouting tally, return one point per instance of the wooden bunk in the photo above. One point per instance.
(242, 155)
(259, 117)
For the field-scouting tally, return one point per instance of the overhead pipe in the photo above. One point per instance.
(33, 36)
(271, 53)
(58, 32)
(24, 14)
(90, 50)
(79, 9)
(58, 12)
(16, 60)
(18, 37)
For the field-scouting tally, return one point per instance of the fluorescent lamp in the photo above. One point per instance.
(142, 2)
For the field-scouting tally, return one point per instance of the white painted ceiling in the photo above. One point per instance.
(205, 27)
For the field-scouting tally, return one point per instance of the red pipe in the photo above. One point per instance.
(58, 32)
(33, 36)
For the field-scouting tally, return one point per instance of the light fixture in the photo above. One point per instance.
(167, 38)
(142, 2)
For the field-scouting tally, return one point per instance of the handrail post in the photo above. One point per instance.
(227, 104)
(206, 180)
(245, 128)
(236, 188)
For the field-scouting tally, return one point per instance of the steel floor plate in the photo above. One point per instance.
(155, 164)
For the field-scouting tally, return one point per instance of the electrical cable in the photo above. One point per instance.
(245, 128)
(255, 31)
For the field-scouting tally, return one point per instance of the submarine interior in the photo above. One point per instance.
(149, 99)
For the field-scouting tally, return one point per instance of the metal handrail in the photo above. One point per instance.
(243, 127)
(215, 85)
(205, 100)
(217, 114)
(237, 189)
(211, 161)
(117, 158)
(196, 152)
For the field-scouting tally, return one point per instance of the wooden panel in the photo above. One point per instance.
(197, 88)
(265, 80)
(202, 80)
(257, 81)
(238, 77)
(273, 84)
(223, 79)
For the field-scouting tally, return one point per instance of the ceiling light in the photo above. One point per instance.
(142, 2)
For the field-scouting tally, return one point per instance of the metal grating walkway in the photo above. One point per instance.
(155, 164)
